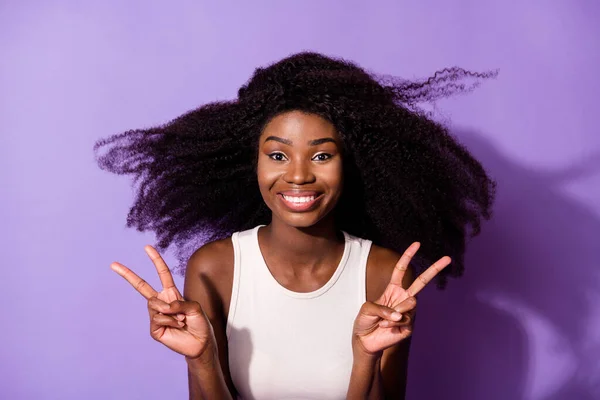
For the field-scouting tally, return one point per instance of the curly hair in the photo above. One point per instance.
(407, 178)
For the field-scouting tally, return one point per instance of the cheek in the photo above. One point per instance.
(335, 176)
(266, 176)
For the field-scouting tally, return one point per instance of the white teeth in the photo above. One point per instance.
(296, 199)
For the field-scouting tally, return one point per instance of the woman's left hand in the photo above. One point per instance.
(389, 319)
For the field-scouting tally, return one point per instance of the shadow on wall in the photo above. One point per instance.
(518, 324)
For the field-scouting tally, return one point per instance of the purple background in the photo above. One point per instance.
(524, 323)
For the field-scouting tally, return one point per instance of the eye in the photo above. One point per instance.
(277, 156)
(322, 157)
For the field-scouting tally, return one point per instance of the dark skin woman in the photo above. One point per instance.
(313, 146)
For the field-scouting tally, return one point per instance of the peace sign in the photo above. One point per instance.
(180, 325)
(388, 320)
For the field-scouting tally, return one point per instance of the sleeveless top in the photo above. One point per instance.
(289, 345)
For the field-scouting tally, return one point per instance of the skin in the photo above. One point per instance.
(301, 249)
(298, 153)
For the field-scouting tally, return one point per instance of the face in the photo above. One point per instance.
(300, 168)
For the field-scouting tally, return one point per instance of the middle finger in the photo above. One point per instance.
(428, 275)
(164, 273)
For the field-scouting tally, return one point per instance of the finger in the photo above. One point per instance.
(406, 309)
(158, 306)
(377, 310)
(155, 305)
(405, 331)
(402, 264)
(408, 304)
(161, 320)
(166, 279)
(405, 321)
(138, 283)
(188, 309)
(426, 277)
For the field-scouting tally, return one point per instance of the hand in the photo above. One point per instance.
(180, 325)
(388, 320)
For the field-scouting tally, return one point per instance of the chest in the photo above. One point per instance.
(375, 283)
(295, 351)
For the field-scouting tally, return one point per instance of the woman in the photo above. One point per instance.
(301, 194)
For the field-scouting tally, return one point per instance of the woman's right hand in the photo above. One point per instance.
(180, 325)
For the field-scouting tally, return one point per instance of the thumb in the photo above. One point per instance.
(377, 310)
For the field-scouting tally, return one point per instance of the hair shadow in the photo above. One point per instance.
(516, 325)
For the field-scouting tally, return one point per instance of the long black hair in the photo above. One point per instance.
(407, 178)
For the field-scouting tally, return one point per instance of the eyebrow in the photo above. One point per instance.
(315, 142)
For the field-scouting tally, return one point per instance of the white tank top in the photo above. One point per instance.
(289, 345)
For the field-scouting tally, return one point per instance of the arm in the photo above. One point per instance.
(383, 374)
(365, 379)
(207, 280)
(182, 325)
(380, 377)
(394, 362)
(394, 370)
(205, 378)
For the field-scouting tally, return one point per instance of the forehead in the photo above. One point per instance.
(298, 125)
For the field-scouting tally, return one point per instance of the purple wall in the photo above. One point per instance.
(524, 323)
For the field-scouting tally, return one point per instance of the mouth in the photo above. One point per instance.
(300, 201)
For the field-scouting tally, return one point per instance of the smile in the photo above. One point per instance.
(298, 199)
(299, 203)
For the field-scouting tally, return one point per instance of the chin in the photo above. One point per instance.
(299, 223)
(302, 220)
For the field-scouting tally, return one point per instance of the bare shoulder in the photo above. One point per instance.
(210, 270)
(383, 257)
(380, 265)
(212, 254)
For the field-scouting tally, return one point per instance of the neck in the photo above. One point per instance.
(303, 249)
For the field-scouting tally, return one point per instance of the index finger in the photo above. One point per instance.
(426, 277)
(138, 283)
(402, 264)
(164, 273)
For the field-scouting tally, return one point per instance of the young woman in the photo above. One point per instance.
(297, 200)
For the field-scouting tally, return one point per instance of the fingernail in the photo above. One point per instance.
(180, 317)
(180, 323)
(396, 315)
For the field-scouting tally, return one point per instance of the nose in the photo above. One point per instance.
(299, 172)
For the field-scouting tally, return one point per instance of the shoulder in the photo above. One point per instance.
(209, 272)
(211, 256)
(380, 266)
(383, 257)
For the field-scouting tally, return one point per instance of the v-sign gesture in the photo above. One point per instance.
(180, 325)
(388, 320)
